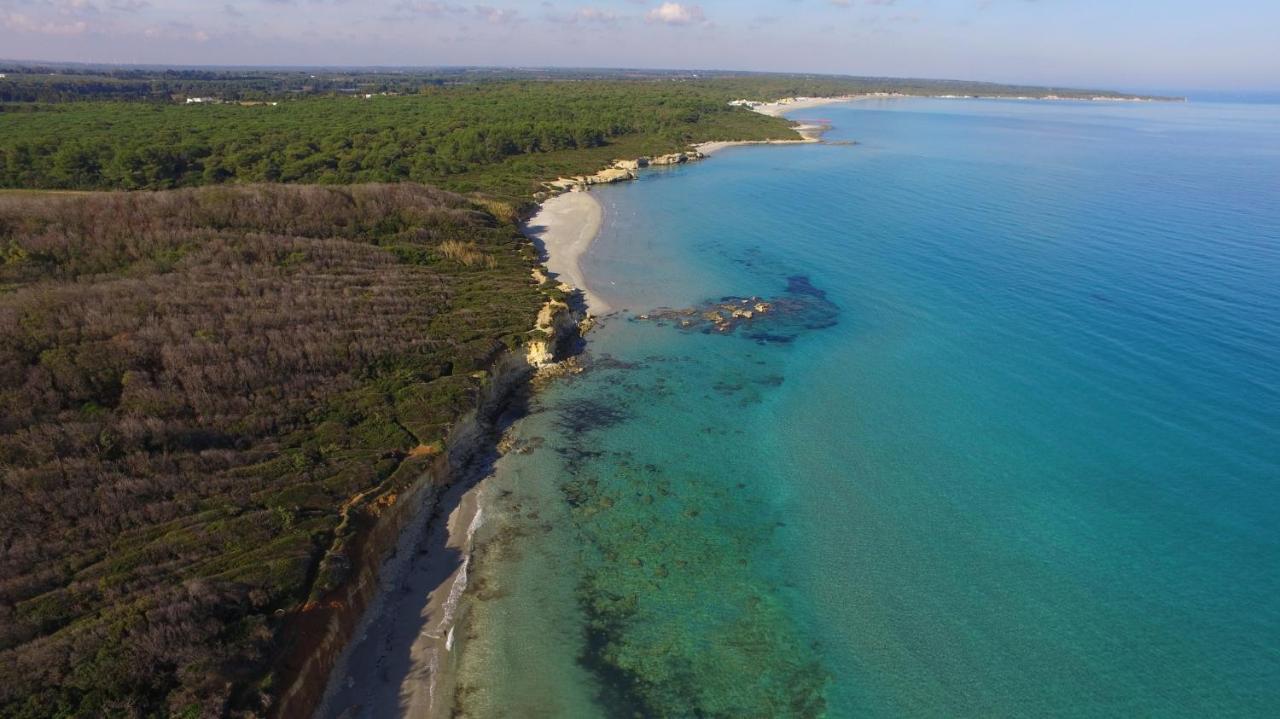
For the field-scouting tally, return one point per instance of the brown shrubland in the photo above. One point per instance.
(191, 383)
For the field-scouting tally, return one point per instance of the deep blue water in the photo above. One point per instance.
(1009, 444)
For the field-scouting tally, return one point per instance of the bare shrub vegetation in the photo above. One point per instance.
(191, 383)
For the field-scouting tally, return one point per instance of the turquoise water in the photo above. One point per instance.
(1007, 445)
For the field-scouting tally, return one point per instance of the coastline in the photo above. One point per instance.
(402, 660)
(810, 133)
(782, 107)
(566, 224)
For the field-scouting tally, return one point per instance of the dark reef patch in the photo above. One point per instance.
(655, 653)
(778, 320)
(677, 626)
(582, 415)
(607, 361)
(669, 540)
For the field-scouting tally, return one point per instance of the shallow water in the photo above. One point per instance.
(1008, 446)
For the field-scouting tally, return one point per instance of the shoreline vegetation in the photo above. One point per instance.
(189, 533)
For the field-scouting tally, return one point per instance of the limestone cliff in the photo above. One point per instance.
(623, 170)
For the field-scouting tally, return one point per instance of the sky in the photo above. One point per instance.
(1114, 44)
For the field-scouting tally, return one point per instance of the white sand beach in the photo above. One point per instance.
(781, 107)
(711, 148)
(810, 132)
(563, 229)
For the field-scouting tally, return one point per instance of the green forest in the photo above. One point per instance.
(462, 138)
(501, 136)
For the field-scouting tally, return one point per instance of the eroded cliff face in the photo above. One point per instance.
(383, 523)
(558, 327)
(319, 634)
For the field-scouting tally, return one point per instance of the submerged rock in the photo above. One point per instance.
(779, 319)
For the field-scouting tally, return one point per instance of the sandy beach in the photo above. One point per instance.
(780, 108)
(810, 132)
(711, 148)
(399, 662)
(563, 229)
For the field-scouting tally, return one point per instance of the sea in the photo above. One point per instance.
(971, 411)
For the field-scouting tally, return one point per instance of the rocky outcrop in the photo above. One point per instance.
(606, 176)
(780, 319)
(676, 158)
(557, 327)
(623, 170)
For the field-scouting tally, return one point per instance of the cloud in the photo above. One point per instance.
(24, 24)
(181, 31)
(497, 16)
(673, 13)
(129, 5)
(594, 14)
(419, 7)
(764, 21)
(74, 6)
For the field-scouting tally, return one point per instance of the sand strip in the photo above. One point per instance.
(563, 229)
(782, 107)
(398, 663)
(711, 148)
(810, 132)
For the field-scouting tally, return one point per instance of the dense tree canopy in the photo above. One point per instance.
(439, 135)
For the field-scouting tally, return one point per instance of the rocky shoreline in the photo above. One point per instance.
(623, 170)
(389, 651)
